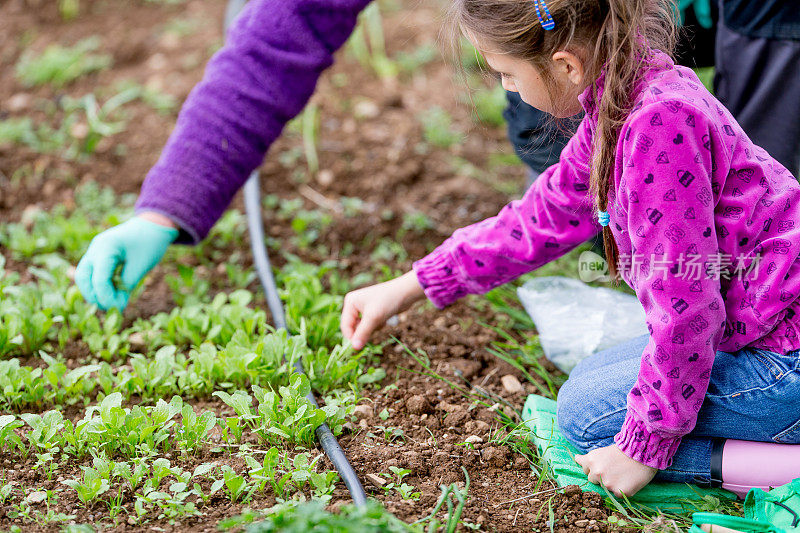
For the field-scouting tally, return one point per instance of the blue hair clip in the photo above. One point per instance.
(547, 20)
(603, 217)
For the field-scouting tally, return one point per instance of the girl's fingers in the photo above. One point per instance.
(349, 319)
(581, 460)
(368, 324)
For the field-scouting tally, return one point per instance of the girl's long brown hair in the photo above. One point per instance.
(612, 37)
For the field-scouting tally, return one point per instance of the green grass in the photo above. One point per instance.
(706, 76)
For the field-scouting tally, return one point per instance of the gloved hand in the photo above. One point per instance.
(138, 245)
(702, 11)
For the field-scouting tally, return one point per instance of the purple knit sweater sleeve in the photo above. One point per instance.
(552, 218)
(252, 87)
(669, 153)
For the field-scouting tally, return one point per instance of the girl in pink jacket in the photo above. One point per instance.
(700, 222)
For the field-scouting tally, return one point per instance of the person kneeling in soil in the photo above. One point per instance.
(688, 207)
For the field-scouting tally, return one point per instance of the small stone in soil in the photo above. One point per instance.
(366, 109)
(511, 384)
(363, 411)
(418, 405)
(521, 463)
(473, 439)
(476, 426)
(376, 480)
(496, 456)
(36, 496)
(19, 102)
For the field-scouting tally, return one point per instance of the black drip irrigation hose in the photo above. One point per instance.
(252, 200)
(255, 226)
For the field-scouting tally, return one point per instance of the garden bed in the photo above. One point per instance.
(402, 162)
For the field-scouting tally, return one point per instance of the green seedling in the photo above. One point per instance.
(312, 516)
(489, 105)
(59, 65)
(46, 464)
(456, 499)
(98, 119)
(390, 434)
(46, 429)
(415, 222)
(194, 430)
(163, 103)
(68, 9)
(91, 487)
(437, 125)
(133, 473)
(6, 491)
(235, 485)
(333, 369)
(310, 120)
(18, 131)
(188, 288)
(389, 251)
(239, 277)
(217, 322)
(77, 437)
(21, 386)
(412, 62)
(233, 429)
(68, 386)
(352, 206)
(367, 43)
(308, 225)
(304, 297)
(283, 416)
(66, 231)
(405, 490)
(272, 470)
(139, 431)
(9, 440)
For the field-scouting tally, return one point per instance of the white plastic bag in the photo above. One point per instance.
(575, 320)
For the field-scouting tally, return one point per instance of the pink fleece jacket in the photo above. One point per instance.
(708, 229)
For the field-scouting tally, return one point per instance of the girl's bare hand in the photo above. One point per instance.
(618, 472)
(367, 309)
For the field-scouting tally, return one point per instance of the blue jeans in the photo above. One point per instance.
(753, 394)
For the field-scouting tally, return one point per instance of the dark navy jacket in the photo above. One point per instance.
(769, 19)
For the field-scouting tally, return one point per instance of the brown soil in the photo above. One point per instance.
(375, 158)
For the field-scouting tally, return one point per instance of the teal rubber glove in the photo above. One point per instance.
(138, 245)
(702, 11)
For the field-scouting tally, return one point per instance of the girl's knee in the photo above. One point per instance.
(571, 413)
(581, 417)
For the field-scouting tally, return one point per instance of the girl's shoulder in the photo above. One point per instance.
(672, 97)
(677, 90)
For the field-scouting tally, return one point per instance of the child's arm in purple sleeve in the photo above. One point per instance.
(260, 80)
(666, 189)
(553, 217)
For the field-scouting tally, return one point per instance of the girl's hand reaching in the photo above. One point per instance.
(367, 309)
(618, 472)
